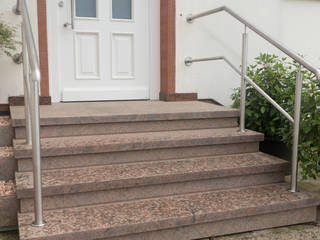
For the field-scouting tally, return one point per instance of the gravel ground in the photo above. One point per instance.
(4, 121)
(7, 188)
(299, 232)
(9, 236)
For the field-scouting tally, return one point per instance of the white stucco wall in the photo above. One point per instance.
(293, 22)
(11, 83)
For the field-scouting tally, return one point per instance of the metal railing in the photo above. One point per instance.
(245, 79)
(32, 78)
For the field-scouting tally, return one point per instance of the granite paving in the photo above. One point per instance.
(132, 175)
(136, 141)
(110, 220)
(123, 111)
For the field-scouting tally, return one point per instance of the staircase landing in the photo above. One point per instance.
(126, 111)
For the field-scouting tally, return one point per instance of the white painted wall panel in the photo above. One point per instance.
(11, 83)
(293, 22)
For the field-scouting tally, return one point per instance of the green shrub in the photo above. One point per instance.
(277, 76)
(7, 39)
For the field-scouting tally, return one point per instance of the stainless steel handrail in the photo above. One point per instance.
(32, 78)
(189, 61)
(267, 37)
(295, 120)
(245, 79)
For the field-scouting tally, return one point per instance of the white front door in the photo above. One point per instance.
(105, 54)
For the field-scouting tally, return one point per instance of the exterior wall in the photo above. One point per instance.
(294, 22)
(11, 74)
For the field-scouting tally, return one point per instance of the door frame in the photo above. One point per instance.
(163, 88)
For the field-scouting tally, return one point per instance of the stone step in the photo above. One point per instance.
(115, 112)
(182, 217)
(130, 127)
(66, 146)
(98, 159)
(8, 164)
(65, 188)
(62, 120)
(6, 131)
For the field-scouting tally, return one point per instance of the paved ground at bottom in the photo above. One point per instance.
(299, 232)
(9, 236)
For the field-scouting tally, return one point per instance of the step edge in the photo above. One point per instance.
(231, 113)
(25, 151)
(191, 220)
(280, 168)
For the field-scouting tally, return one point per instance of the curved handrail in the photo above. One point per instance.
(32, 78)
(30, 42)
(267, 37)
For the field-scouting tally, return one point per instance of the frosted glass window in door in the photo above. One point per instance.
(86, 8)
(122, 9)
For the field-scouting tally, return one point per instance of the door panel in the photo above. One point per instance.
(122, 56)
(87, 53)
(106, 55)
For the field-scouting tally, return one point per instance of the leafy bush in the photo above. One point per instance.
(277, 77)
(7, 39)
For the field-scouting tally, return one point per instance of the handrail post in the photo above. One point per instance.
(244, 63)
(17, 9)
(33, 75)
(36, 155)
(26, 84)
(296, 130)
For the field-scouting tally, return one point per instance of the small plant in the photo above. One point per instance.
(7, 39)
(277, 77)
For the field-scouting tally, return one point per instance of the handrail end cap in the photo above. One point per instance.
(188, 61)
(190, 18)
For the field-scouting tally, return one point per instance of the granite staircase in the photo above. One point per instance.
(8, 201)
(151, 170)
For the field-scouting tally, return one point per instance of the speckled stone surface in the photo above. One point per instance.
(8, 165)
(112, 220)
(102, 112)
(130, 127)
(6, 131)
(98, 159)
(136, 141)
(64, 181)
(151, 191)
